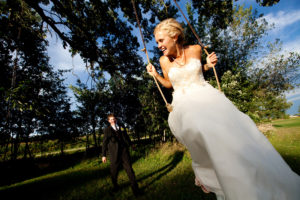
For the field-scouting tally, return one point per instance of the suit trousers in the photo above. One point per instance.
(124, 160)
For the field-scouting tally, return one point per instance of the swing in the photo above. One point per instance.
(169, 106)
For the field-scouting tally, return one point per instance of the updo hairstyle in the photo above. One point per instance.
(172, 27)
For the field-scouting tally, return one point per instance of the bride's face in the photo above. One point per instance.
(165, 43)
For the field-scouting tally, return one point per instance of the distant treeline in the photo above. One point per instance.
(34, 101)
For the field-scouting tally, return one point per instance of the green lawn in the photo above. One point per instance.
(286, 139)
(163, 173)
(287, 123)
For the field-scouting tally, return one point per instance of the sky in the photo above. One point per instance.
(285, 16)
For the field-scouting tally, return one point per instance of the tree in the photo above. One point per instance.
(267, 2)
(102, 33)
(259, 93)
(22, 49)
(34, 88)
(56, 118)
(273, 75)
(152, 120)
(91, 102)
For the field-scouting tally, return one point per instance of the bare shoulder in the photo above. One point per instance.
(194, 51)
(164, 62)
(194, 48)
(165, 65)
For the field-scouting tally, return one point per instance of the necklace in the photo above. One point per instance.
(182, 59)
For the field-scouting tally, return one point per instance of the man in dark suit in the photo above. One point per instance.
(117, 142)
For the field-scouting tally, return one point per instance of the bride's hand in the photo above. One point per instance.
(151, 70)
(212, 59)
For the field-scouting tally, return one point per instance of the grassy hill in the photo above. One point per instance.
(163, 172)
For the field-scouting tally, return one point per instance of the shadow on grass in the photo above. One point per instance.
(163, 170)
(94, 183)
(293, 162)
(287, 125)
(278, 126)
(19, 170)
(158, 173)
(15, 171)
(178, 187)
(56, 185)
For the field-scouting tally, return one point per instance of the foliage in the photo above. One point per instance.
(153, 116)
(256, 87)
(267, 2)
(272, 75)
(239, 91)
(91, 102)
(35, 101)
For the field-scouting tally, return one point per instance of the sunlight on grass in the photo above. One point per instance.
(286, 139)
(286, 123)
(163, 173)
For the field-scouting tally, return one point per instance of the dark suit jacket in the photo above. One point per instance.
(113, 144)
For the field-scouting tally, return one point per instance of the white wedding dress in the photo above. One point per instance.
(230, 156)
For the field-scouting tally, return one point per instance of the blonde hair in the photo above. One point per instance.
(172, 27)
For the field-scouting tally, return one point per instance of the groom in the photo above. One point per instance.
(117, 142)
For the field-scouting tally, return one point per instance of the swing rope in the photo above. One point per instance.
(199, 41)
(169, 106)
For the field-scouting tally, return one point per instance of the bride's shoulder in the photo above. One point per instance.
(164, 61)
(194, 51)
(165, 64)
(193, 48)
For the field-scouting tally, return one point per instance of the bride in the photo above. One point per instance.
(230, 156)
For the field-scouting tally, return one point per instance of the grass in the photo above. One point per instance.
(163, 173)
(286, 139)
(287, 123)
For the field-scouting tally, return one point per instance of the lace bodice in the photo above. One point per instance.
(188, 76)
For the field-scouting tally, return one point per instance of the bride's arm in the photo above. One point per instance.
(211, 61)
(165, 81)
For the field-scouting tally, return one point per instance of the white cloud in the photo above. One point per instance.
(293, 95)
(292, 46)
(60, 58)
(281, 19)
(293, 92)
(294, 99)
(245, 1)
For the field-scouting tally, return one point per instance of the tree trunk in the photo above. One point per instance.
(27, 149)
(6, 149)
(87, 146)
(94, 134)
(137, 133)
(62, 147)
(15, 146)
(41, 146)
